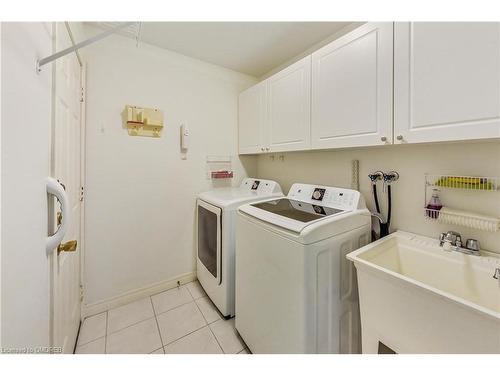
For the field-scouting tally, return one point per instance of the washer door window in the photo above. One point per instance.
(209, 238)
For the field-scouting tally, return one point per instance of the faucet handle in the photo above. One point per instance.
(472, 244)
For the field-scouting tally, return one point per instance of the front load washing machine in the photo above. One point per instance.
(216, 215)
(295, 290)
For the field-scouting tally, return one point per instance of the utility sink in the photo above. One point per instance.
(416, 297)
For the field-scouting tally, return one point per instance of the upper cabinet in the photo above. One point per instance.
(275, 114)
(252, 117)
(380, 84)
(352, 89)
(289, 93)
(446, 81)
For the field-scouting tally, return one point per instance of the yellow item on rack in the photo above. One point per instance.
(471, 183)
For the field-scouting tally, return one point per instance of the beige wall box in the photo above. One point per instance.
(144, 122)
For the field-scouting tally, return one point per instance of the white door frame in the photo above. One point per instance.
(83, 132)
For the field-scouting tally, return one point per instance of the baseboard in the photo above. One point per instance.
(136, 294)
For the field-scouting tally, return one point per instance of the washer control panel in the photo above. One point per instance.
(339, 198)
(318, 194)
(258, 185)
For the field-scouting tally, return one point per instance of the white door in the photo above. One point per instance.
(446, 81)
(289, 124)
(66, 166)
(25, 136)
(252, 114)
(352, 89)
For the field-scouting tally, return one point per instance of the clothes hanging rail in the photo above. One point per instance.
(77, 46)
(70, 33)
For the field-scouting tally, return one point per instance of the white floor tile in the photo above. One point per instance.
(93, 347)
(159, 351)
(171, 298)
(92, 328)
(179, 322)
(141, 338)
(208, 309)
(199, 342)
(196, 289)
(227, 336)
(127, 315)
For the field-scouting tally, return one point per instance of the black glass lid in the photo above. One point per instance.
(300, 211)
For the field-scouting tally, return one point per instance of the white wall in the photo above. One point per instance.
(140, 193)
(25, 137)
(333, 168)
(313, 48)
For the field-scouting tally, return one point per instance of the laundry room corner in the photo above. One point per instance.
(140, 191)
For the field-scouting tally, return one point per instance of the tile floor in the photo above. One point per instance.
(176, 321)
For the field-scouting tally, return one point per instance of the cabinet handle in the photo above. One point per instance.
(399, 137)
(383, 139)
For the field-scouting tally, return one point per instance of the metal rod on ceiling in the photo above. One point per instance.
(77, 46)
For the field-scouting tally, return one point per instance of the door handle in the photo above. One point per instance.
(56, 189)
(67, 246)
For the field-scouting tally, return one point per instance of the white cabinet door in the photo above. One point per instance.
(352, 89)
(252, 116)
(289, 95)
(446, 81)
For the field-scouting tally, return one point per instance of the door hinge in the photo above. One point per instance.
(81, 193)
(81, 293)
(82, 94)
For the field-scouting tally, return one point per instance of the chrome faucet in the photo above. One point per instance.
(453, 241)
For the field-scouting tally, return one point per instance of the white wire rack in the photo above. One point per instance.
(448, 215)
(462, 182)
(219, 167)
(463, 218)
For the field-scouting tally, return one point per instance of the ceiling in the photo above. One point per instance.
(253, 48)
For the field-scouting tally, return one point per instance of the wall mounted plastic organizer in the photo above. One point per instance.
(219, 167)
(143, 122)
(448, 215)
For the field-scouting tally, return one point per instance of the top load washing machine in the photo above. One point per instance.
(216, 215)
(295, 290)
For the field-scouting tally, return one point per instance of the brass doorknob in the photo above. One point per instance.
(67, 246)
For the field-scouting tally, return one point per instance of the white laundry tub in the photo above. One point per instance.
(416, 297)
